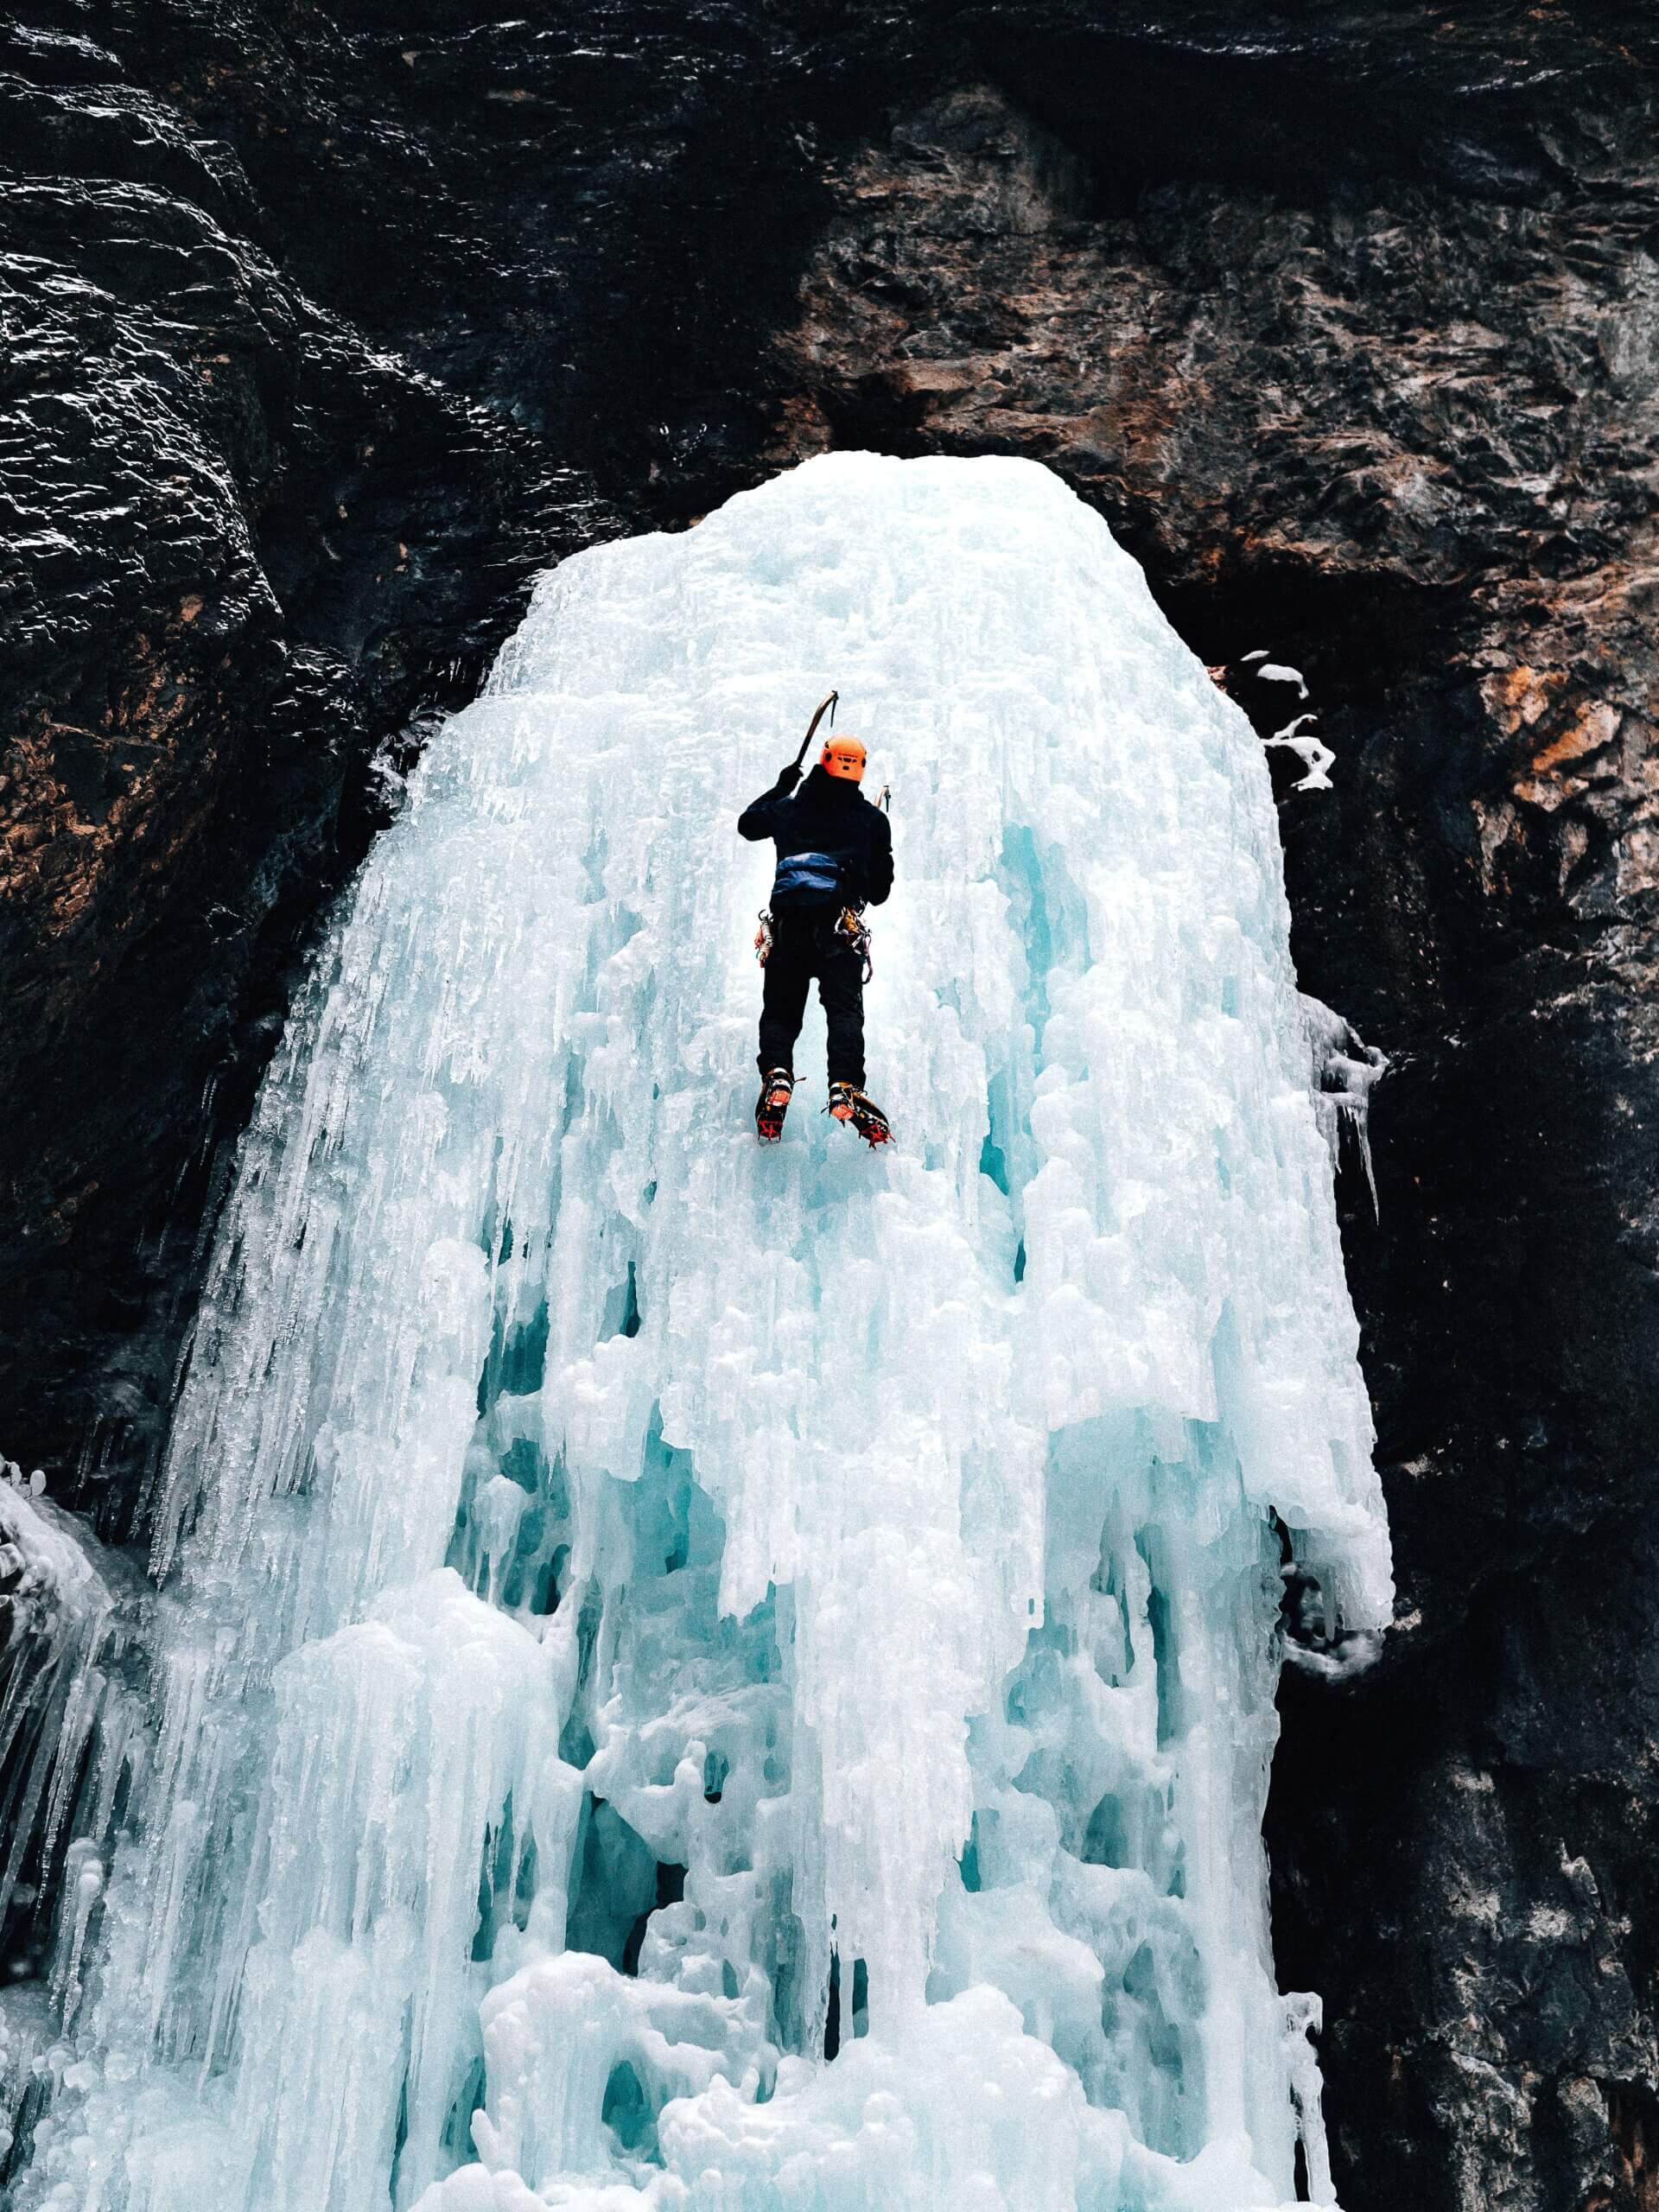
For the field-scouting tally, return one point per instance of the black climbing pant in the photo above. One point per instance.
(802, 946)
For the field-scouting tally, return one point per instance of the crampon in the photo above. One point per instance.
(847, 1104)
(773, 1105)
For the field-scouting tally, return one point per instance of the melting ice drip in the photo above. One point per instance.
(647, 1613)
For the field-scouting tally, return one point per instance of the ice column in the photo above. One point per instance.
(713, 1677)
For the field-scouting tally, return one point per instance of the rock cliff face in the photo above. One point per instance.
(326, 326)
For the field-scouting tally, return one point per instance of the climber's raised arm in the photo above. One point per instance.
(756, 820)
(759, 819)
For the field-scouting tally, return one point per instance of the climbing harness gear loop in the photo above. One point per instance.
(854, 932)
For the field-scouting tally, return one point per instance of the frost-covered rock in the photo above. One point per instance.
(647, 1611)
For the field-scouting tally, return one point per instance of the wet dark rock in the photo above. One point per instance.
(325, 327)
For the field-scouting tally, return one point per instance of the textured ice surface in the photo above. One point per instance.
(647, 1611)
(73, 1744)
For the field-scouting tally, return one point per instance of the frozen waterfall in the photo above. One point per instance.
(641, 1611)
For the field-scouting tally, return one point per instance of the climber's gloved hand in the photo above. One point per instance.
(788, 778)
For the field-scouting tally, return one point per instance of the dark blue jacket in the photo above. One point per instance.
(828, 821)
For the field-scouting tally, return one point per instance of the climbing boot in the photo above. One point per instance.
(773, 1105)
(847, 1104)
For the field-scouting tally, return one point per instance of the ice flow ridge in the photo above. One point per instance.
(643, 1614)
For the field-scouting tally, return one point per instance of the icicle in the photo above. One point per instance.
(66, 1715)
(1304, 2018)
(1345, 1070)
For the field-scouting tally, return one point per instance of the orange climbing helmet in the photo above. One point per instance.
(843, 756)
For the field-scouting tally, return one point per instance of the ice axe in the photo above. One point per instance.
(828, 707)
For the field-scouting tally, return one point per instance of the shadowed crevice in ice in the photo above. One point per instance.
(683, 1663)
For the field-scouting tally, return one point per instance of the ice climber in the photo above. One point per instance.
(834, 856)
